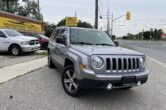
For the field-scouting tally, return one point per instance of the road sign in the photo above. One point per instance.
(71, 21)
(128, 16)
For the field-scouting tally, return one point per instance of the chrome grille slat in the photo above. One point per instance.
(122, 64)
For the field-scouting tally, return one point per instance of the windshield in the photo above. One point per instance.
(12, 33)
(93, 37)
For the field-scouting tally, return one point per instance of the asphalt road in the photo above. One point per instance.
(154, 49)
(42, 90)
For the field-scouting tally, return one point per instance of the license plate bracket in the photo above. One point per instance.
(128, 80)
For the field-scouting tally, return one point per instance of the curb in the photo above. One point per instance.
(9, 72)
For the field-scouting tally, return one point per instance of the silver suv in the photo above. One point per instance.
(89, 59)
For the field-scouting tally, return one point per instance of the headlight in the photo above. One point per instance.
(142, 62)
(97, 62)
(24, 42)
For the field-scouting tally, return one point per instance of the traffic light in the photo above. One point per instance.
(128, 16)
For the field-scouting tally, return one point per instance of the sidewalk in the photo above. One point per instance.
(10, 72)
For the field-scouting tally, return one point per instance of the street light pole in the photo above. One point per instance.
(96, 14)
(112, 22)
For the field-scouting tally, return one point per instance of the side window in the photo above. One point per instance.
(54, 34)
(63, 33)
(2, 34)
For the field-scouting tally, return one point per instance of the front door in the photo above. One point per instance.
(4, 42)
(61, 48)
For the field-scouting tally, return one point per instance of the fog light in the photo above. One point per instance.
(138, 83)
(109, 86)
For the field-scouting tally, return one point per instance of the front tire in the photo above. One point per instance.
(69, 81)
(15, 50)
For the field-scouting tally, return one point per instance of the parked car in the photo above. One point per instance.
(90, 59)
(16, 43)
(43, 40)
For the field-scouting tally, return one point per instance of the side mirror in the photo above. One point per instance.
(116, 43)
(61, 40)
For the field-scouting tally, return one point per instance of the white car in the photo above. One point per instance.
(16, 43)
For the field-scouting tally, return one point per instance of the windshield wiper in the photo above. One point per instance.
(83, 43)
(104, 44)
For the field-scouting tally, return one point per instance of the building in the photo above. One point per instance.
(21, 24)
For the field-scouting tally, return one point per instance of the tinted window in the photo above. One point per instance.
(2, 34)
(12, 33)
(55, 34)
(90, 36)
(63, 33)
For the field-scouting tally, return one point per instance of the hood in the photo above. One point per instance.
(102, 50)
(23, 38)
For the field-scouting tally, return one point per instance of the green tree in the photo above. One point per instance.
(146, 35)
(31, 8)
(49, 29)
(61, 23)
(9, 5)
(84, 24)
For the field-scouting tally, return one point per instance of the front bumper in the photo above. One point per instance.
(30, 48)
(100, 81)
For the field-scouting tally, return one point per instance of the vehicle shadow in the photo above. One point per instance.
(124, 96)
(6, 54)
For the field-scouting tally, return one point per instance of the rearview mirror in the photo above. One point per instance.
(116, 43)
(61, 40)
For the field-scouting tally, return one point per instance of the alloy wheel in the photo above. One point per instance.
(70, 81)
(15, 51)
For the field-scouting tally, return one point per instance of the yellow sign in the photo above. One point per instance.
(19, 25)
(128, 16)
(71, 21)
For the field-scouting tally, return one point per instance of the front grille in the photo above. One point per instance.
(122, 64)
(33, 42)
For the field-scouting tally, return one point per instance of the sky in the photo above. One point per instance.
(145, 14)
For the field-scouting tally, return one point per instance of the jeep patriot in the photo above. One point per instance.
(90, 59)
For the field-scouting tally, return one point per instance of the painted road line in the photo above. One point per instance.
(9, 72)
(156, 61)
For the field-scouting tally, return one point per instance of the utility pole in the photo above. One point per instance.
(96, 13)
(112, 24)
(75, 13)
(7, 6)
(108, 20)
(38, 2)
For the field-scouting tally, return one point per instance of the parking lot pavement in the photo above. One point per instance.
(42, 90)
(6, 59)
